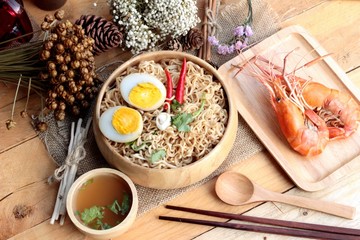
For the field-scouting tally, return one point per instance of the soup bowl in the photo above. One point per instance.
(174, 177)
(110, 194)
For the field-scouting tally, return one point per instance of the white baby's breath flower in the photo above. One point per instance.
(146, 22)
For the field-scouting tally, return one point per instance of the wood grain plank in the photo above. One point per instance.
(23, 175)
(7, 94)
(23, 165)
(289, 9)
(23, 130)
(26, 207)
(335, 24)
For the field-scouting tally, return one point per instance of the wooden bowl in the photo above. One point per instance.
(167, 178)
(99, 200)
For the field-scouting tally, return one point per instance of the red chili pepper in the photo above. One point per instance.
(179, 95)
(169, 89)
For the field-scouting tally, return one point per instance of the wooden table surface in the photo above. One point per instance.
(25, 163)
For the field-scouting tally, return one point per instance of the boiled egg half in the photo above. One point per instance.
(143, 91)
(121, 124)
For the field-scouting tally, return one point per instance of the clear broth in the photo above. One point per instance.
(99, 191)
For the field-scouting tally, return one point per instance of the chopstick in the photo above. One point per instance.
(292, 228)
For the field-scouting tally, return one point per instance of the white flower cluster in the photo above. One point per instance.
(147, 21)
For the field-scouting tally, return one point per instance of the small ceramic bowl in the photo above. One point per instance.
(100, 189)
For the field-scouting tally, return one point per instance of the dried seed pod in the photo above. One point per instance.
(70, 73)
(60, 48)
(59, 58)
(70, 99)
(59, 15)
(53, 73)
(53, 105)
(59, 115)
(48, 45)
(59, 89)
(62, 106)
(23, 114)
(52, 94)
(45, 26)
(41, 126)
(63, 66)
(67, 58)
(68, 43)
(45, 55)
(49, 18)
(51, 66)
(75, 110)
(53, 37)
(75, 64)
(80, 96)
(85, 104)
(62, 78)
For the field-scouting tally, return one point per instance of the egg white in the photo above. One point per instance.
(107, 129)
(131, 80)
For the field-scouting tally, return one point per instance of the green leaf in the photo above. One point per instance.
(181, 121)
(90, 214)
(101, 225)
(114, 207)
(125, 205)
(85, 184)
(156, 156)
(175, 105)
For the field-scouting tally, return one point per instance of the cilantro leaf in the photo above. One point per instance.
(181, 121)
(156, 156)
(114, 207)
(85, 184)
(90, 214)
(101, 225)
(125, 205)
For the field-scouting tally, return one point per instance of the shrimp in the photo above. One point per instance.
(309, 113)
(303, 129)
(338, 109)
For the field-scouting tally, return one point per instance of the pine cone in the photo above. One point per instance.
(194, 39)
(174, 45)
(105, 33)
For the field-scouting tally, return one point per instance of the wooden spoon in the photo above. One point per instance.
(236, 189)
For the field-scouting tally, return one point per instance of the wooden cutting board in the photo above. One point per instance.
(340, 157)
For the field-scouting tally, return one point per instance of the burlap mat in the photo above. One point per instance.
(233, 14)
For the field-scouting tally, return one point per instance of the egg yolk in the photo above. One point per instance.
(144, 95)
(125, 120)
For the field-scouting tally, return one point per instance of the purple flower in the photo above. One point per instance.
(223, 49)
(213, 41)
(231, 49)
(239, 31)
(244, 45)
(238, 45)
(248, 31)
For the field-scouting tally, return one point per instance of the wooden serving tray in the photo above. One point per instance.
(341, 157)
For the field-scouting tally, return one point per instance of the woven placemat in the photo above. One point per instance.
(246, 144)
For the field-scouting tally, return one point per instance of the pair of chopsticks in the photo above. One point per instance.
(288, 228)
